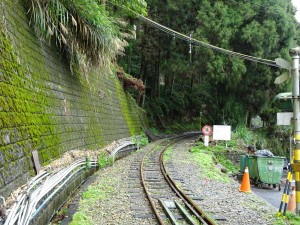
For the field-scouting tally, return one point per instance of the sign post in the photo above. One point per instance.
(293, 73)
(295, 52)
(206, 130)
(200, 116)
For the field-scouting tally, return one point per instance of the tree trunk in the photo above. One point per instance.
(157, 80)
(248, 119)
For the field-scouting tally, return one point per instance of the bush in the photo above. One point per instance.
(104, 160)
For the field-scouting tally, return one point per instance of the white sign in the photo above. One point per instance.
(284, 118)
(222, 132)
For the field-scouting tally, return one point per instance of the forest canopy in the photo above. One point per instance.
(184, 80)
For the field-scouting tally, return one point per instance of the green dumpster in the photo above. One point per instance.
(263, 169)
(243, 159)
(270, 169)
(250, 161)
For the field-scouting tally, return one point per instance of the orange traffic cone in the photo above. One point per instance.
(245, 186)
(292, 201)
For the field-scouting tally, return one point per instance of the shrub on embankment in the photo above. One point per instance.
(228, 153)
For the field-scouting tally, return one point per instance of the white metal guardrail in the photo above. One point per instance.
(40, 191)
(42, 188)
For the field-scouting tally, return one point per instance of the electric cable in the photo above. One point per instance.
(197, 42)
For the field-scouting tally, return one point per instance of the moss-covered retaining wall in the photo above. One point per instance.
(44, 107)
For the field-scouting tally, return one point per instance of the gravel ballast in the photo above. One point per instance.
(115, 202)
(219, 199)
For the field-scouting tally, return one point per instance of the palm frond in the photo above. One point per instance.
(80, 25)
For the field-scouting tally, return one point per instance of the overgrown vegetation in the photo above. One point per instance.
(261, 138)
(140, 140)
(95, 193)
(104, 159)
(275, 139)
(167, 154)
(218, 151)
(90, 29)
(291, 219)
(60, 214)
(205, 161)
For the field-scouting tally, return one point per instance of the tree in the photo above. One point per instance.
(257, 28)
(232, 89)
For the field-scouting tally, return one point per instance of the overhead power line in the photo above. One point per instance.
(201, 43)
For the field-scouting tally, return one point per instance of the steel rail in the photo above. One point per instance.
(190, 205)
(188, 202)
(153, 207)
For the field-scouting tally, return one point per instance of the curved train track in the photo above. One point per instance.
(168, 203)
(153, 194)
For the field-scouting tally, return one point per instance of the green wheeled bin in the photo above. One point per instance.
(251, 162)
(263, 169)
(269, 170)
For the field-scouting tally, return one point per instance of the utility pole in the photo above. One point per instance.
(295, 52)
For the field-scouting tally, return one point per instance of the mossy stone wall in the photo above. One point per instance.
(44, 107)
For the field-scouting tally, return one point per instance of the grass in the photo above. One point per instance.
(221, 158)
(104, 159)
(167, 154)
(291, 219)
(95, 193)
(205, 160)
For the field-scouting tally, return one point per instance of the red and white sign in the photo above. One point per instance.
(207, 130)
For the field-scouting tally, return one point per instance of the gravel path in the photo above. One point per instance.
(115, 202)
(222, 200)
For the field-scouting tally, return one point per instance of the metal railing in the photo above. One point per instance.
(43, 188)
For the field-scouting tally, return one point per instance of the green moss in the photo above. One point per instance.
(128, 110)
(21, 107)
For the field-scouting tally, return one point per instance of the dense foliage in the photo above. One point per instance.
(225, 89)
(88, 27)
(182, 80)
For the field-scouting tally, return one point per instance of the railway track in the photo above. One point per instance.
(168, 203)
(150, 191)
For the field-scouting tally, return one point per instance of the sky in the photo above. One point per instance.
(296, 3)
